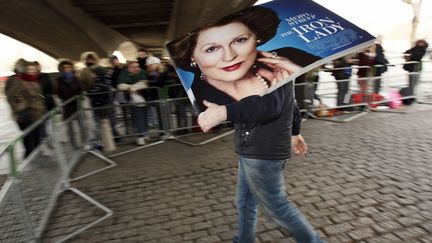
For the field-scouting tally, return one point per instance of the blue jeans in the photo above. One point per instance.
(140, 119)
(261, 182)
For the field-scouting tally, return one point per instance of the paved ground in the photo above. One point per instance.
(368, 180)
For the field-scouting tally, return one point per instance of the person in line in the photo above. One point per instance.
(86, 75)
(157, 77)
(133, 80)
(115, 70)
(142, 56)
(69, 86)
(414, 54)
(342, 73)
(366, 60)
(119, 96)
(47, 87)
(25, 97)
(223, 54)
(96, 79)
(380, 66)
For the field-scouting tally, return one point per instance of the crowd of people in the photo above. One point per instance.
(370, 64)
(32, 93)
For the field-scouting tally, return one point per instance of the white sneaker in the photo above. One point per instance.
(140, 141)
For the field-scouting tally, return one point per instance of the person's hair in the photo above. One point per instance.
(422, 42)
(260, 20)
(20, 66)
(89, 54)
(129, 63)
(63, 63)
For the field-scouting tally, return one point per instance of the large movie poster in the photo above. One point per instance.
(281, 39)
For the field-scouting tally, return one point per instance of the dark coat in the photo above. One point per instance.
(48, 90)
(415, 54)
(115, 74)
(67, 90)
(380, 59)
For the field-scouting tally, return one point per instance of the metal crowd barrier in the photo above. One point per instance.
(356, 109)
(166, 114)
(388, 83)
(36, 182)
(424, 89)
(395, 83)
(128, 118)
(15, 223)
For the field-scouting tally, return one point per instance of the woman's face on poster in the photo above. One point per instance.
(225, 53)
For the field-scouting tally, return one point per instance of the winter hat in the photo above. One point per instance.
(152, 60)
(87, 54)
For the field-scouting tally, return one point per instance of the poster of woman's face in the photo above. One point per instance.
(225, 53)
(267, 44)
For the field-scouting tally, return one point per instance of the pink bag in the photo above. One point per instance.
(395, 100)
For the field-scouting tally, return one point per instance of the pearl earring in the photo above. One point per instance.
(193, 64)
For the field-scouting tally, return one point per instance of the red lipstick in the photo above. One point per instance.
(232, 67)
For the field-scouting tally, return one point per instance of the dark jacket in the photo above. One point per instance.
(48, 90)
(115, 73)
(415, 54)
(100, 92)
(264, 124)
(380, 59)
(142, 63)
(66, 90)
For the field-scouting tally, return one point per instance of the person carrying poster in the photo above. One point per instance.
(240, 68)
(231, 71)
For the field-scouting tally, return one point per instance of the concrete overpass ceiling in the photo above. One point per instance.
(143, 21)
(56, 28)
(66, 28)
(151, 23)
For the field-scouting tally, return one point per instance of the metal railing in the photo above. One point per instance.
(368, 100)
(36, 181)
